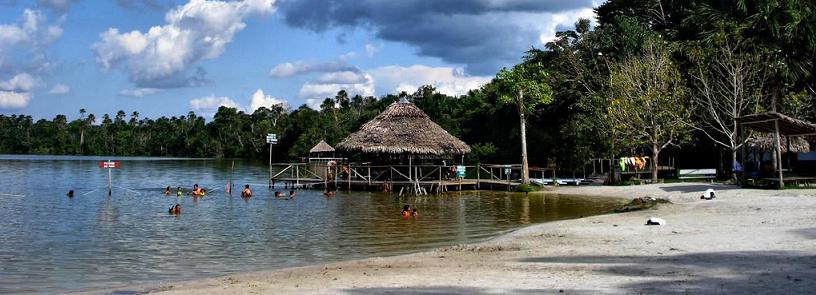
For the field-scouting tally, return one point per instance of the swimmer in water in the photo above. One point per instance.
(70, 194)
(179, 192)
(278, 194)
(406, 211)
(246, 192)
(167, 191)
(291, 194)
(175, 210)
(414, 213)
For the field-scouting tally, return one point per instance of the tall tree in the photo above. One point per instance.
(727, 81)
(650, 102)
(524, 86)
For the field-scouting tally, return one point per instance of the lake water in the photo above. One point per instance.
(50, 243)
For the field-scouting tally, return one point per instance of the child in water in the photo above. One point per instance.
(414, 213)
(178, 191)
(246, 193)
(175, 210)
(291, 194)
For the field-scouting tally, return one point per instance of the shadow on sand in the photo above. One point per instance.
(698, 187)
(445, 290)
(754, 272)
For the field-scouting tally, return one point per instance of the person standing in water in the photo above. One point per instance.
(246, 193)
(179, 192)
(167, 191)
(175, 210)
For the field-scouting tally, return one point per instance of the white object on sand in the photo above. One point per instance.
(655, 221)
(709, 194)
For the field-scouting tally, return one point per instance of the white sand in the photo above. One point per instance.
(744, 241)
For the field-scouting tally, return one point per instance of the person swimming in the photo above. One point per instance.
(167, 191)
(196, 190)
(278, 194)
(414, 213)
(179, 192)
(246, 192)
(175, 210)
(291, 194)
(70, 194)
(406, 211)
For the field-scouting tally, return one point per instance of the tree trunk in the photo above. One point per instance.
(81, 140)
(525, 170)
(655, 155)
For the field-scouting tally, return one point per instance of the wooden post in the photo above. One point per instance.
(777, 145)
(478, 178)
(297, 176)
(270, 166)
(369, 175)
(348, 177)
(326, 178)
(440, 179)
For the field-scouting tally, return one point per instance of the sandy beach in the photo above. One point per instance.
(744, 241)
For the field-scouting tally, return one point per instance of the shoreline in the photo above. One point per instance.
(745, 240)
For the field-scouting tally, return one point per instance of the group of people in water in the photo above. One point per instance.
(407, 211)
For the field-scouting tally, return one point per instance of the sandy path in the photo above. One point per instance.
(745, 241)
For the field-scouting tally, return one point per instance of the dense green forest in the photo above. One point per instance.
(648, 77)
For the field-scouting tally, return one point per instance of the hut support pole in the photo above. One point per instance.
(478, 178)
(297, 176)
(369, 175)
(778, 146)
(440, 179)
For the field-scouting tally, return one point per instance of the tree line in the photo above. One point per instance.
(650, 76)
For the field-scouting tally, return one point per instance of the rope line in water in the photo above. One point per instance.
(124, 188)
(11, 195)
(93, 190)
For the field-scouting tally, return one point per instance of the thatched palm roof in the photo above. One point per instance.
(403, 129)
(765, 122)
(322, 147)
(766, 143)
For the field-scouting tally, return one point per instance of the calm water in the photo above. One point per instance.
(49, 243)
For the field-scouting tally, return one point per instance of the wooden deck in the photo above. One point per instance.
(419, 179)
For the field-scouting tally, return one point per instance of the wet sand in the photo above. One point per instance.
(744, 241)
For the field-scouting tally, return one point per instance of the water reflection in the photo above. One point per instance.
(50, 243)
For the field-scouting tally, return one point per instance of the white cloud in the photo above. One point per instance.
(371, 50)
(211, 103)
(20, 82)
(163, 56)
(563, 19)
(59, 89)
(139, 92)
(289, 69)
(30, 32)
(343, 77)
(259, 99)
(447, 80)
(14, 100)
(320, 91)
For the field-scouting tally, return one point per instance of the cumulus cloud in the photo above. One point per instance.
(290, 69)
(139, 92)
(211, 103)
(320, 91)
(259, 99)
(371, 50)
(164, 56)
(20, 82)
(59, 89)
(484, 35)
(31, 32)
(447, 80)
(14, 100)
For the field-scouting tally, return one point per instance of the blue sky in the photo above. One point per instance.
(167, 57)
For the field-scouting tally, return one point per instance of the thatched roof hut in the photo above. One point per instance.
(321, 147)
(766, 143)
(403, 129)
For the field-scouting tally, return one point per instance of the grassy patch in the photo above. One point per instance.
(526, 188)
